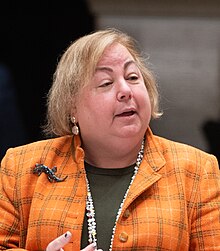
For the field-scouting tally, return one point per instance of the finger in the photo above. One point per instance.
(59, 242)
(91, 247)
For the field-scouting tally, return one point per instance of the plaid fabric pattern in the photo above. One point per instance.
(173, 204)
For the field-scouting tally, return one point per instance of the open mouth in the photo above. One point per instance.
(126, 114)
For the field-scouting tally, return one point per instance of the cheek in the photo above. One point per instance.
(145, 104)
(144, 96)
(91, 108)
(82, 110)
(148, 103)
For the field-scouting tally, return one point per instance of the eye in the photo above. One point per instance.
(105, 84)
(133, 77)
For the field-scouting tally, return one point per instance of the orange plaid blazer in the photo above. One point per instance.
(173, 204)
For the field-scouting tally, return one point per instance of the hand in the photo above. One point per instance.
(61, 241)
(91, 247)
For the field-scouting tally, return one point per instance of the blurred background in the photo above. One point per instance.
(180, 38)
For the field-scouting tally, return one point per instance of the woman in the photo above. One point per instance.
(104, 180)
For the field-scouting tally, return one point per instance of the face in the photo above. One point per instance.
(115, 104)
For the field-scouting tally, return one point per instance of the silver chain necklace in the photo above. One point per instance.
(90, 210)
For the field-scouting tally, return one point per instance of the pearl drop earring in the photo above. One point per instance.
(75, 128)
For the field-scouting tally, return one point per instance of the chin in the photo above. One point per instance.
(131, 133)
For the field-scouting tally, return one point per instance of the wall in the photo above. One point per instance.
(184, 48)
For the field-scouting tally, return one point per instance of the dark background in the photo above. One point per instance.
(33, 36)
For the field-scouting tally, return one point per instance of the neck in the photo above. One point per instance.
(112, 156)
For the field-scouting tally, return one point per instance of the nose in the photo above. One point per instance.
(124, 92)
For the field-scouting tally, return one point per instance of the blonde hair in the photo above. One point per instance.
(76, 67)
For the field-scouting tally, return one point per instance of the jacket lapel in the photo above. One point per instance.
(147, 175)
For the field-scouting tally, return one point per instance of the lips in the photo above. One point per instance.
(126, 113)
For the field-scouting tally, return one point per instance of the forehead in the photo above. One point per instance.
(115, 53)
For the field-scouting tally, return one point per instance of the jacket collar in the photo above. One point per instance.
(153, 151)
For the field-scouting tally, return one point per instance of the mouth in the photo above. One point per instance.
(126, 113)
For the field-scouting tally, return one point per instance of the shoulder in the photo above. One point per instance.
(38, 152)
(178, 147)
(177, 153)
(59, 142)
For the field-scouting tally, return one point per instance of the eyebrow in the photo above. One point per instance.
(105, 68)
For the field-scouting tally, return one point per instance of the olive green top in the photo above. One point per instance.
(108, 187)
